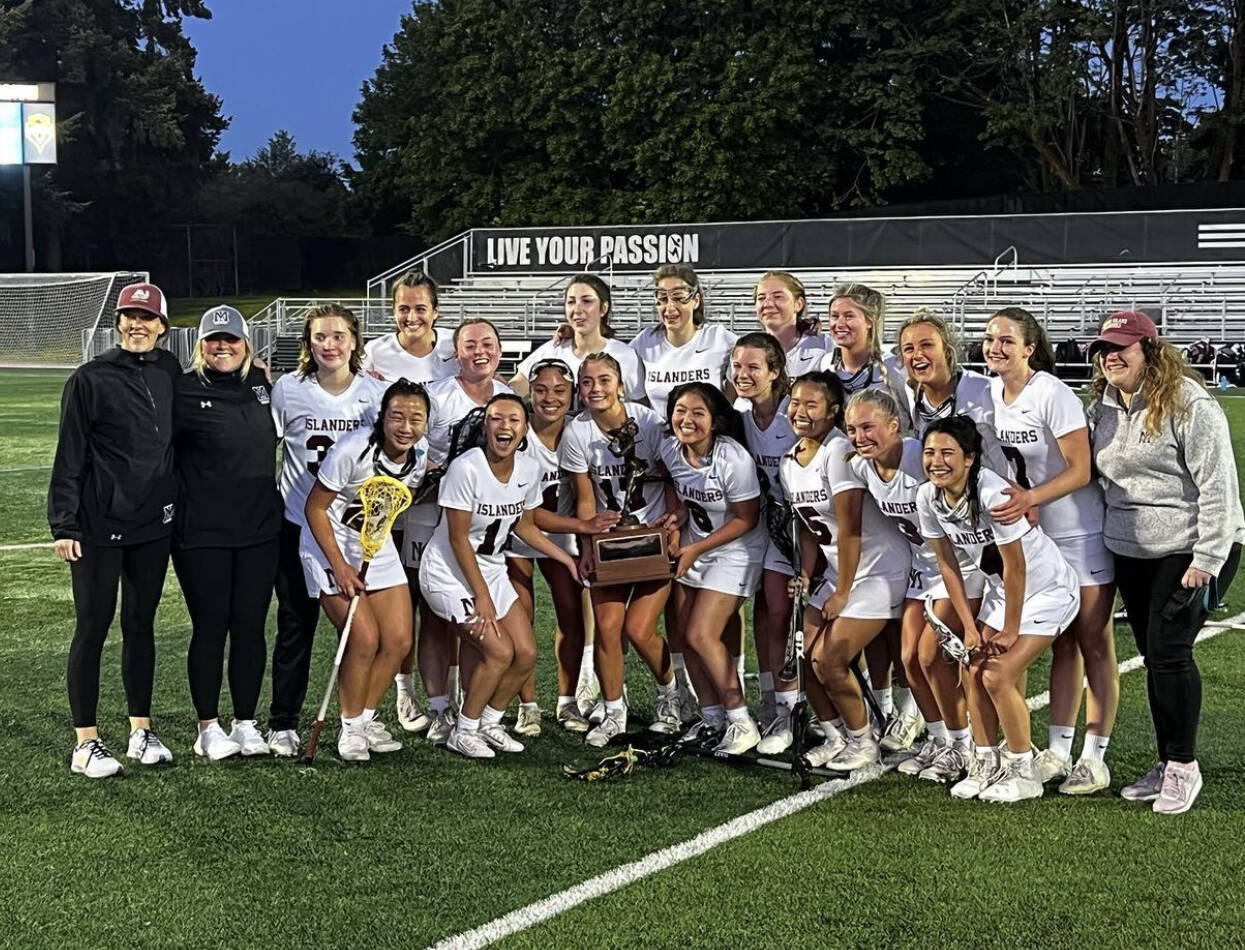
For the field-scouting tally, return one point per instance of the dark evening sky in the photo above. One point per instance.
(292, 64)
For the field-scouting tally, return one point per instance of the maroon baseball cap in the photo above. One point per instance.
(147, 297)
(1123, 328)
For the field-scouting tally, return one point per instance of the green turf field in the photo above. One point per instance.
(422, 844)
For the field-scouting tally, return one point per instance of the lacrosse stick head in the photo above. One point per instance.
(383, 499)
(952, 647)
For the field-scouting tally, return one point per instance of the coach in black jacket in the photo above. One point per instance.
(111, 505)
(228, 518)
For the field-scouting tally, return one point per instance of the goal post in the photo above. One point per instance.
(45, 319)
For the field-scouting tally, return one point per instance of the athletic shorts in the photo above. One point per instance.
(1046, 613)
(1089, 559)
(385, 570)
(517, 547)
(776, 561)
(450, 599)
(925, 585)
(730, 573)
(418, 523)
(876, 597)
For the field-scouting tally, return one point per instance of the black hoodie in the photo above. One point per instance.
(112, 479)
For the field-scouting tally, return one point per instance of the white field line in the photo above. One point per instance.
(26, 547)
(526, 917)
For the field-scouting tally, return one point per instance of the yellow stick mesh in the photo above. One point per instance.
(383, 499)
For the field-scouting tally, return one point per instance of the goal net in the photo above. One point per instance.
(47, 319)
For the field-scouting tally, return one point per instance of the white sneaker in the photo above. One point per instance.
(981, 772)
(901, 732)
(214, 745)
(1147, 788)
(951, 765)
(147, 749)
(92, 759)
(596, 713)
(778, 737)
(766, 712)
(470, 744)
(247, 735)
(858, 753)
(379, 739)
(923, 759)
(741, 736)
(1182, 783)
(441, 726)
(1016, 783)
(667, 717)
(571, 719)
(283, 743)
(1087, 776)
(609, 727)
(352, 745)
(587, 692)
(497, 737)
(703, 733)
(411, 717)
(1047, 767)
(820, 755)
(527, 723)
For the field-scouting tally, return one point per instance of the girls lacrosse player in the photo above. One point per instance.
(477, 348)
(781, 308)
(324, 400)
(587, 315)
(111, 503)
(380, 635)
(228, 519)
(487, 494)
(720, 552)
(1042, 429)
(592, 452)
(552, 389)
(758, 372)
(418, 352)
(889, 467)
(1174, 522)
(1031, 595)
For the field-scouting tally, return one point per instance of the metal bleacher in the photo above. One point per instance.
(1189, 301)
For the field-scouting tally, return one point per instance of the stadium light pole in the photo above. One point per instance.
(30, 219)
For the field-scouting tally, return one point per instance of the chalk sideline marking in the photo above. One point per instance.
(550, 907)
(27, 547)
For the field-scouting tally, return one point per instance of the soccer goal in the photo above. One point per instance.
(47, 319)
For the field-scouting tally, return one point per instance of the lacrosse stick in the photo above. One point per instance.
(383, 499)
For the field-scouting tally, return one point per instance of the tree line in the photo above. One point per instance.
(531, 112)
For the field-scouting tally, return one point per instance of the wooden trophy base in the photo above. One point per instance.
(630, 555)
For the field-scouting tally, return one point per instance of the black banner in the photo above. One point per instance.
(1101, 238)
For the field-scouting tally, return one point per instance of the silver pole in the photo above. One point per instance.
(30, 220)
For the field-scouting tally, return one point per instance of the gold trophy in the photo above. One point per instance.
(629, 552)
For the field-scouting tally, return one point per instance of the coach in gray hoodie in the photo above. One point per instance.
(1173, 520)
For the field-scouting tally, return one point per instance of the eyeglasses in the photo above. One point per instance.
(681, 296)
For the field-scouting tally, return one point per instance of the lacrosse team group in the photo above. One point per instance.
(934, 531)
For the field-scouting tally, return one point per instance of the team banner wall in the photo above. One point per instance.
(1102, 238)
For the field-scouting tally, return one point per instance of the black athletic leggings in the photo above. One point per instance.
(227, 591)
(1166, 618)
(140, 568)
(297, 616)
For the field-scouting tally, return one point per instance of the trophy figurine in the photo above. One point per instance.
(630, 552)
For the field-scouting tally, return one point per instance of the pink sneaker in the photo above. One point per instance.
(1182, 781)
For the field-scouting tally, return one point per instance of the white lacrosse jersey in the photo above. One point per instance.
(768, 446)
(349, 463)
(628, 362)
(385, 356)
(557, 494)
(884, 550)
(1045, 567)
(808, 492)
(971, 398)
(806, 355)
(309, 421)
(586, 448)
(883, 376)
(729, 476)
(496, 507)
(702, 359)
(449, 403)
(1029, 431)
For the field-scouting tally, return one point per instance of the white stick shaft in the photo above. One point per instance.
(337, 661)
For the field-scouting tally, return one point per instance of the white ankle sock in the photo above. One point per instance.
(467, 724)
(884, 700)
(1095, 747)
(960, 738)
(438, 704)
(1061, 739)
(738, 714)
(714, 715)
(406, 683)
(490, 716)
(937, 731)
(905, 702)
(785, 697)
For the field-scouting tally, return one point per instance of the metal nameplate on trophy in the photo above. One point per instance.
(630, 552)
